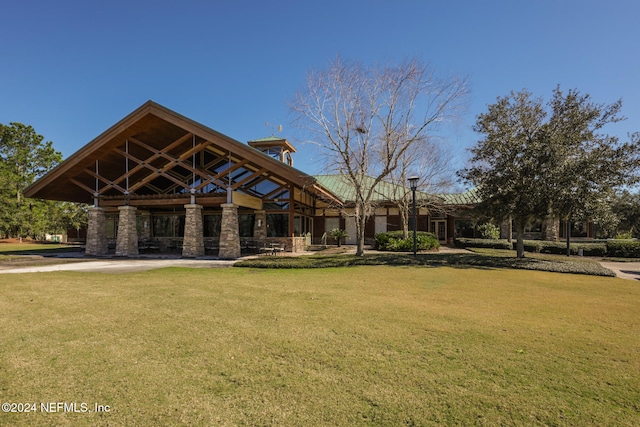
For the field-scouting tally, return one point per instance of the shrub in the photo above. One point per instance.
(529, 245)
(560, 248)
(489, 231)
(624, 236)
(623, 248)
(535, 246)
(481, 243)
(338, 235)
(394, 241)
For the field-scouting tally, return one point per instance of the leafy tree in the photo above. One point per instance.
(537, 162)
(24, 157)
(626, 207)
(365, 119)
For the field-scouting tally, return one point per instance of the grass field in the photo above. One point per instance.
(373, 345)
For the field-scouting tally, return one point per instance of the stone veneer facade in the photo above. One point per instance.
(127, 239)
(96, 244)
(505, 230)
(193, 242)
(229, 232)
(551, 230)
(260, 228)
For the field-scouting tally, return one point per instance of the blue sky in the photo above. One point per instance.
(72, 69)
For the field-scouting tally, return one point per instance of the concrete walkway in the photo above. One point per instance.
(118, 265)
(624, 270)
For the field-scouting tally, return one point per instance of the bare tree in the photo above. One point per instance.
(366, 120)
(432, 165)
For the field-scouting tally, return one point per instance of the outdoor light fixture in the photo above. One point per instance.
(413, 183)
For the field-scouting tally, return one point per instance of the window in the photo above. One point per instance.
(211, 225)
(277, 225)
(245, 224)
(168, 226)
(463, 228)
(111, 225)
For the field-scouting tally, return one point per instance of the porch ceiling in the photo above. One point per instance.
(157, 156)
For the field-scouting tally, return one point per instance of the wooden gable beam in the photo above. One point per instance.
(274, 192)
(247, 179)
(109, 184)
(81, 185)
(180, 160)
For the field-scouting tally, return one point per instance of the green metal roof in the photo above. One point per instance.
(271, 138)
(469, 197)
(386, 191)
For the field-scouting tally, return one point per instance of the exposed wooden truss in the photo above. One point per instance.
(155, 156)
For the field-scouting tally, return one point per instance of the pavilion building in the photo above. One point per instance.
(158, 181)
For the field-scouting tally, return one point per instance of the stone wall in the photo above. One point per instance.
(260, 227)
(505, 230)
(127, 238)
(96, 244)
(551, 230)
(193, 242)
(229, 232)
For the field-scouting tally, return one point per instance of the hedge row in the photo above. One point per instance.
(394, 241)
(623, 248)
(612, 248)
(481, 243)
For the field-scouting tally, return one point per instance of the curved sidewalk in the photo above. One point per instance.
(623, 270)
(120, 265)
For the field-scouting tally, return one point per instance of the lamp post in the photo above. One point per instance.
(413, 183)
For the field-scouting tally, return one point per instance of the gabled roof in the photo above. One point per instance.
(162, 136)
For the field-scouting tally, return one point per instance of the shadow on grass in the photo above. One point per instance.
(458, 260)
(41, 251)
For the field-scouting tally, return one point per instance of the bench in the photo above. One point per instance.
(272, 249)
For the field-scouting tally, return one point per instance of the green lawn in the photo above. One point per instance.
(373, 345)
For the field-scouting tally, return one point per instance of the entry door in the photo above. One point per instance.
(381, 224)
(439, 228)
(350, 228)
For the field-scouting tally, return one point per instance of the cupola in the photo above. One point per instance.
(278, 148)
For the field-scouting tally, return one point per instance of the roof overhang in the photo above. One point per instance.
(150, 140)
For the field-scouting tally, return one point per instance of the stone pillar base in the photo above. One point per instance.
(229, 232)
(96, 244)
(127, 240)
(505, 230)
(551, 230)
(193, 243)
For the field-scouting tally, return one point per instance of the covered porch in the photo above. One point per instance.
(159, 182)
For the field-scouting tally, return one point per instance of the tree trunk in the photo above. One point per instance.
(404, 220)
(519, 239)
(360, 224)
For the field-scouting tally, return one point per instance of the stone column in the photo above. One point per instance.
(551, 229)
(505, 230)
(229, 232)
(96, 244)
(127, 240)
(193, 243)
(260, 228)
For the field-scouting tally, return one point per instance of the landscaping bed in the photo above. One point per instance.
(492, 259)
